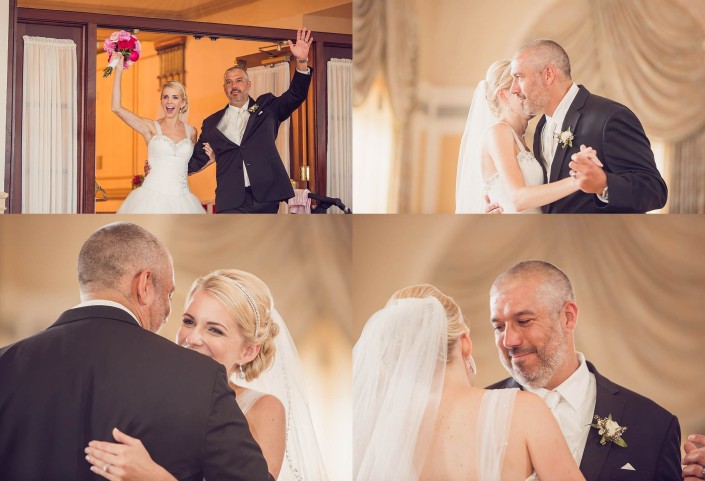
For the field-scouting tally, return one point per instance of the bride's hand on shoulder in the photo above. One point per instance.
(126, 460)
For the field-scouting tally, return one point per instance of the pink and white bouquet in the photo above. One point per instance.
(121, 43)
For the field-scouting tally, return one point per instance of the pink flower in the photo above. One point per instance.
(134, 55)
(123, 35)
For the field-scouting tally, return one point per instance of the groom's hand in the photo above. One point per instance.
(694, 460)
(301, 47)
(587, 170)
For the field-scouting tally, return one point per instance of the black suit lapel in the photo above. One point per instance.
(608, 402)
(251, 120)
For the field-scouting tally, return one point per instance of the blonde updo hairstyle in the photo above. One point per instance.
(499, 77)
(223, 285)
(180, 87)
(456, 323)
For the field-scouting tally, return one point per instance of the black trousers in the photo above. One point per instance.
(251, 206)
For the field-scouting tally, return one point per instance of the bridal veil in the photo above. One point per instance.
(398, 371)
(284, 380)
(470, 185)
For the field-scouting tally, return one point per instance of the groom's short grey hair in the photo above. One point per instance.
(232, 69)
(547, 52)
(555, 287)
(117, 250)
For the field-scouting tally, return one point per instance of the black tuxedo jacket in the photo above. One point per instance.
(268, 178)
(652, 436)
(635, 185)
(95, 369)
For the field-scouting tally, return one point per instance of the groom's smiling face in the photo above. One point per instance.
(529, 335)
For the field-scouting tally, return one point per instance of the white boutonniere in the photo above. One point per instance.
(253, 109)
(610, 431)
(565, 138)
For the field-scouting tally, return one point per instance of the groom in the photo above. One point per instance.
(100, 366)
(573, 117)
(250, 175)
(534, 314)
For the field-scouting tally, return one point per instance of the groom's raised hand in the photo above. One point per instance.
(694, 460)
(302, 45)
(587, 170)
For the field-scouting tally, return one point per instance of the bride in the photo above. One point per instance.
(417, 415)
(494, 159)
(170, 143)
(231, 318)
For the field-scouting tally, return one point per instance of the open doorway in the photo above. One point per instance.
(197, 62)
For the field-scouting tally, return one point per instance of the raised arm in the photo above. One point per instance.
(548, 450)
(500, 145)
(139, 124)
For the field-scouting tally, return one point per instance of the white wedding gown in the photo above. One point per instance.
(165, 190)
(494, 417)
(530, 169)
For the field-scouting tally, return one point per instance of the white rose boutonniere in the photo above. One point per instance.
(565, 138)
(253, 109)
(610, 431)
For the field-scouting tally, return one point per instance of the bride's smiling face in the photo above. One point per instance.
(172, 101)
(531, 342)
(207, 328)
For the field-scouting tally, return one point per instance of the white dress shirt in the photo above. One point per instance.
(574, 406)
(105, 302)
(233, 126)
(554, 124)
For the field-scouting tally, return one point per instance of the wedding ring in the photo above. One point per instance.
(106, 467)
(573, 174)
(702, 475)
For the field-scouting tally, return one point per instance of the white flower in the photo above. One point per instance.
(610, 431)
(565, 138)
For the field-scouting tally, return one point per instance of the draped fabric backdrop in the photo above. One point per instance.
(387, 46)
(639, 283)
(305, 261)
(339, 172)
(49, 127)
(276, 80)
(646, 54)
(649, 56)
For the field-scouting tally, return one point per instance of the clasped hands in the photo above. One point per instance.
(587, 171)
(694, 460)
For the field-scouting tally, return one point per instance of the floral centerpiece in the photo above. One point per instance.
(121, 43)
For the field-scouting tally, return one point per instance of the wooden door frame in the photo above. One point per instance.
(91, 22)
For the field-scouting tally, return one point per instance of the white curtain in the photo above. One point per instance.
(275, 79)
(386, 46)
(49, 127)
(339, 172)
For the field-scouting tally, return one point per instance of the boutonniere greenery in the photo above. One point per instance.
(565, 138)
(253, 109)
(610, 431)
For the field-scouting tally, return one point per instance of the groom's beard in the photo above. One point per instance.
(550, 357)
(536, 105)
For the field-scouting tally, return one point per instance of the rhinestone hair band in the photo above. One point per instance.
(252, 305)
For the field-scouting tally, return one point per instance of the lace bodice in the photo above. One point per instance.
(530, 169)
(168, 161)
